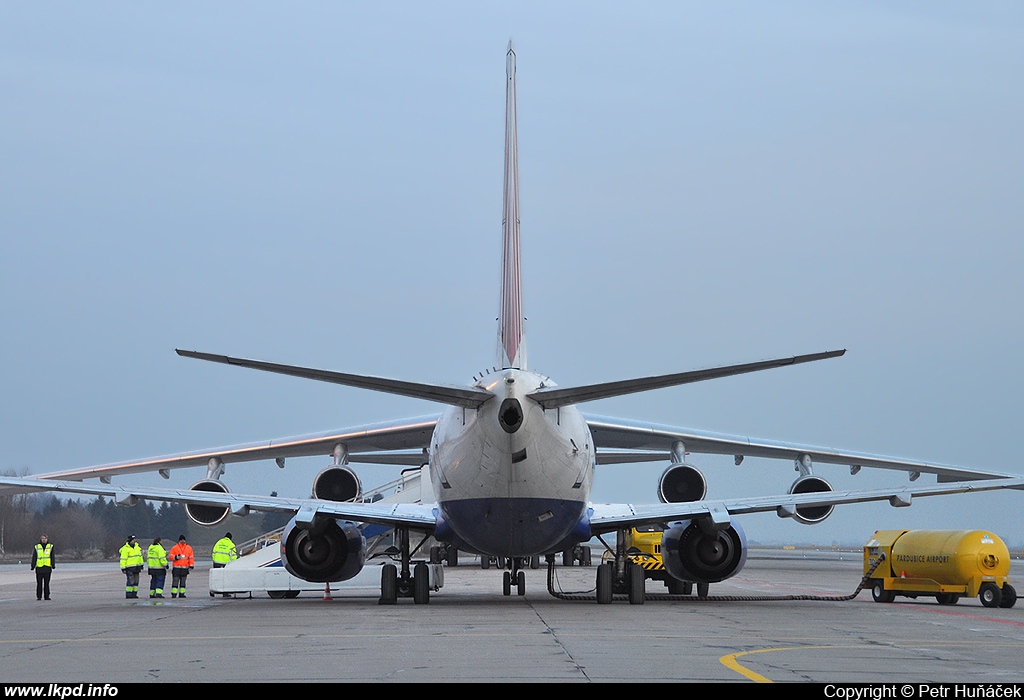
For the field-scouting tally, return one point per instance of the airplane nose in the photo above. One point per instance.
(510, 415)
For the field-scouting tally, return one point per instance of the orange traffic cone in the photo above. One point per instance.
(327, 592)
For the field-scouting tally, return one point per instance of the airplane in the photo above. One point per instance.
(512, 461)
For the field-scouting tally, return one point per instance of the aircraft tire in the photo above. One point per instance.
(420, 584)
(506, 583)
(388, 585)
(604, 583)
(637, 580)
(521, 583)
(277, 595)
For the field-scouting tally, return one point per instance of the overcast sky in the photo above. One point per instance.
(701, 184)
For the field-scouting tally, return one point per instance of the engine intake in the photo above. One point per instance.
(331, 551)
(681, 483)
(337, 484)
(811, 515)
(207, 516)
(702, 555)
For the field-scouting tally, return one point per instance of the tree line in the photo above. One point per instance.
(95, 529)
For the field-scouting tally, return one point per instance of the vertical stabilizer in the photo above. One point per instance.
(511, 344)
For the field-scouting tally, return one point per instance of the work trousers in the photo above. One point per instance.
(156, 582)
(43, 582)
(131, 584)
(178, 576)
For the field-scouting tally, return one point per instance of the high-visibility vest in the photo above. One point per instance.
(131, 555)
(182, 556)
(43, 553)
(224, 551)
(156, 557)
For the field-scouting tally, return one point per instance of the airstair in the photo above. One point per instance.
(259, 568)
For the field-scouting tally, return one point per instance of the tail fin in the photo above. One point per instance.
(511, 343)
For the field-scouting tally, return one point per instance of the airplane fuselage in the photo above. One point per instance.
(510, 478)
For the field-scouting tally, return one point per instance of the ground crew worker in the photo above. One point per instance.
(131, 565)
(183, 560)
(224, 552)
(43, 563)
(156, 559)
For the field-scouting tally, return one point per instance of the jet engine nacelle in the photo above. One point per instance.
(701, 554)
(681, 483)
(207, 516)
(811, 515)
(337, 484)
(330, 551)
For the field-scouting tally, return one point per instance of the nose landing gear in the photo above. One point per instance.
(516, 577)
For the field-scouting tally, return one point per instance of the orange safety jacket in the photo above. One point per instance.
(182, 556)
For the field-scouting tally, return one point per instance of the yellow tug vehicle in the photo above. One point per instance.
(946, 564)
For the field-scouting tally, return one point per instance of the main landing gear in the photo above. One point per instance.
(621, 575)
(413, 584)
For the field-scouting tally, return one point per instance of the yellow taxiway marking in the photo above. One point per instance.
(729, 660)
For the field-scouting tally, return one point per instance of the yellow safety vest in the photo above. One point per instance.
(131, 555)
(43, 555)
(156, 557)
(224, 551)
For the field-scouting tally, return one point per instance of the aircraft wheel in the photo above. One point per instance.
(586, 558)
(292, 594)
(277, 595)
(420, 584)
(702, 590)
(567, 558)
(521, 583)
(677, 587)
(388, 585)
(636, 585)
(485, 561)
(535, 561)
(1009, 596)
(506, 583)
(604, 583)
(452, 558)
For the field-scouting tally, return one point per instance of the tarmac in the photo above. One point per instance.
(469, 632)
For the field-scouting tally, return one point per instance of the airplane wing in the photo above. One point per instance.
(617, 434)
(614, 516)
(378, 442)
(418, 516)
